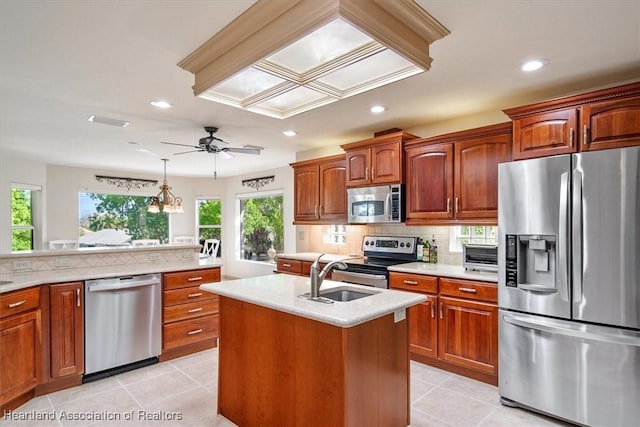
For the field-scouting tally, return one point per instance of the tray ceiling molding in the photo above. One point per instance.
(267, 27)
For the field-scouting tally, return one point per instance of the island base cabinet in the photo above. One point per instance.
(279, 369)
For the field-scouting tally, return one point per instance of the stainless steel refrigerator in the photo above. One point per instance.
(569, 286)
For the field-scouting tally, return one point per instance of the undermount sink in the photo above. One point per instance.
(340, 294)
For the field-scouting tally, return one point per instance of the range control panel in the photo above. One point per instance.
(389, 245)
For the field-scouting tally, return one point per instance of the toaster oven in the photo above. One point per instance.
(480, 257)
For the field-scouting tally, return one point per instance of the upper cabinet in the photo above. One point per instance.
(320, 192)
(376, 161)
(608, 118)
(455, 176)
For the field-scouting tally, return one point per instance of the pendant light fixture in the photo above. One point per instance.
(165, 199)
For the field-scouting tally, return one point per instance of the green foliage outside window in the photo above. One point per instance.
(209, 219)
(21, 220)
(262, 226)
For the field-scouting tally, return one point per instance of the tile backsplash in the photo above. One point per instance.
(309, 238)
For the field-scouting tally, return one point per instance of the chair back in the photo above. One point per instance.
(210, 247)
(184, 239)
(63, 244)
(145, 242)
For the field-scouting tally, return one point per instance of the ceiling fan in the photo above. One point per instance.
(208, 144)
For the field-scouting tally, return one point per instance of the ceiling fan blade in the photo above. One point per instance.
(224, 155)
(181, 145)
(185, 152)
(243, 150)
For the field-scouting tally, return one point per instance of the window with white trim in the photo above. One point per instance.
(22, 217)
(209, 220)
(482, 234)
(261, 225)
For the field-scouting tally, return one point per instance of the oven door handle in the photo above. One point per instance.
(359, 275)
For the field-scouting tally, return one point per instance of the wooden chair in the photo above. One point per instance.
(210, 247)
(145, 242)
(63, 244)
(184, 239)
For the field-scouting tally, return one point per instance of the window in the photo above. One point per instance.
(483, 234)
(209, 220)
(114, 219)
(335, 235)
(261, 226)
(22, 228)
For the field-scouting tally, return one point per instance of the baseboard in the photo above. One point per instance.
(188, 349)
(466, 372)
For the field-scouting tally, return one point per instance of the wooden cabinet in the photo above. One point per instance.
(454, 177)
(376, 161)
(20, 344)
(320, 192)
(189, 315)
(608, 118)
(297, 267)
(457, 327)
(66, 326)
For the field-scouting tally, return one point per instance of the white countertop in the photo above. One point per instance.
(445, 270)
(280, 292)
(311, 256)
(34, 278)
(96, 250)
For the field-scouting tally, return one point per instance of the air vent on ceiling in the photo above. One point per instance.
(108, 121)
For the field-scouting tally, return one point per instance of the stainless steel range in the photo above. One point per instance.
(380, 252)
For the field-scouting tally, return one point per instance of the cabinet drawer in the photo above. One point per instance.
(186, 295)
(185, 279)
(19, 301)
(190, 311)
(190, 331)
(413, 282)
(467, 289)
(290, 266)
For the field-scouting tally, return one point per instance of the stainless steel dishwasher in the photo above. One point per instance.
(123, 324)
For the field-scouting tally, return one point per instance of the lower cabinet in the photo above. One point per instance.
(190, 315)
(297, 267)
(66, 327)
(20, 345)
(457, 327)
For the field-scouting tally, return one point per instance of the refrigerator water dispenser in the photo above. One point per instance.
(531, 261)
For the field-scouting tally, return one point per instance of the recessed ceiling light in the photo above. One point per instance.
(533, 65)
(377, 109)
(290, 132)
(108, 121)
(161, 104)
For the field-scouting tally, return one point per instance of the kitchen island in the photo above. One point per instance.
(287, 361)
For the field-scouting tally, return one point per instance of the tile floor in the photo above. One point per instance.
(184, 391)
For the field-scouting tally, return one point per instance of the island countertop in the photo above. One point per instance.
(281, 292)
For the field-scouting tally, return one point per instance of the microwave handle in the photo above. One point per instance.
(387, 206)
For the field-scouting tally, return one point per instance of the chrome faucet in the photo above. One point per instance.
(318, 277)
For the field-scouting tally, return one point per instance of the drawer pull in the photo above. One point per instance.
(194, 279)
(197, 294)
(410, 282)
(470, 290)
(286, 265)
(194, 310)
(17, 304)
(194, 332)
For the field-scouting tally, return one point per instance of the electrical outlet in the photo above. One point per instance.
(154, 257)
(22, 265)
(188, 254)
(62, 262)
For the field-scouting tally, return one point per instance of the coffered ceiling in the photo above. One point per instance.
(61, 62)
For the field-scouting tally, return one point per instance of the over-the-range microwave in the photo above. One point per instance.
(379, 204)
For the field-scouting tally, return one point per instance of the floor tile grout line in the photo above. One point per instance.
(433, 417)
(486, 417)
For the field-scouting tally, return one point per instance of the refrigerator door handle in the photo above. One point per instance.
(537, 288)
(577, 332)
(577, 236)
(563, 238)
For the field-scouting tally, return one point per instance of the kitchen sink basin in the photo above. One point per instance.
(340, 294)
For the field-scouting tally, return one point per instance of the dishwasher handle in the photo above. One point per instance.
(125, 284)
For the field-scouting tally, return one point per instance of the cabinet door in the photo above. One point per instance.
(386, 164)
(333, 194)
(545, 134)
(429, 188)
(67, 329)
(468, 334)
(612, 124)
(423, 331)
(20, 353)
(305, 187)
(476, 176)
(358, 167)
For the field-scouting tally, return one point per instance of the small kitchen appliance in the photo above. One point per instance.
(480, 257)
